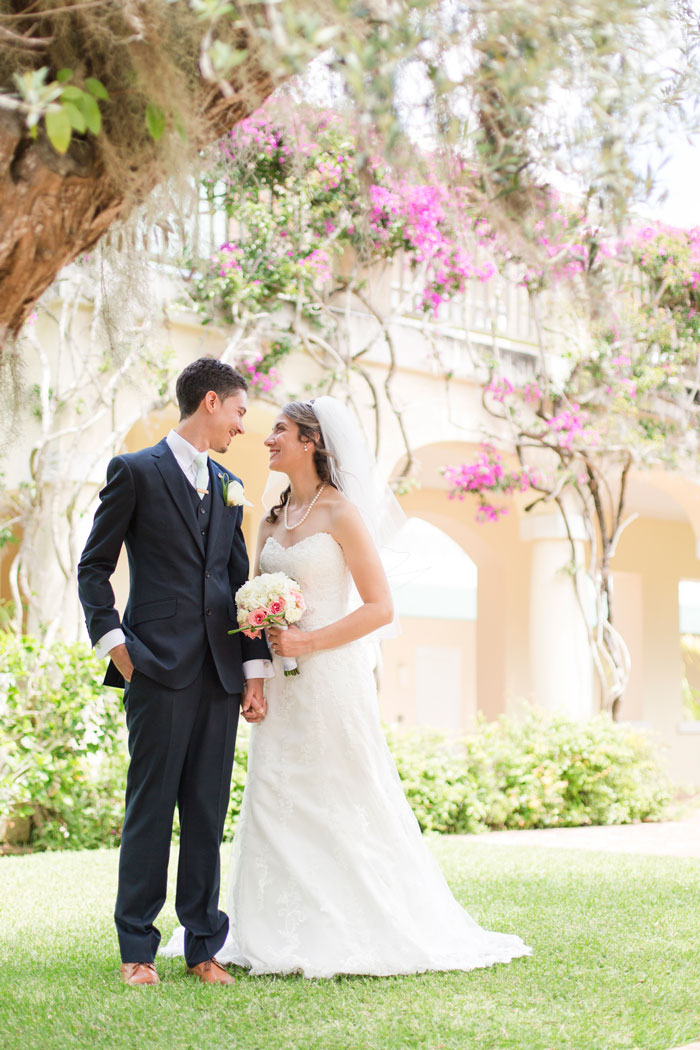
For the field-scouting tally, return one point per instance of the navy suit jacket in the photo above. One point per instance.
(181, 595)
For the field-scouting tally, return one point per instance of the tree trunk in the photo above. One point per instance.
(54, 208)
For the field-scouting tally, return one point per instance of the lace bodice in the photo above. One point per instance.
(318, 565)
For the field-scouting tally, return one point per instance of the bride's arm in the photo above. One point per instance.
(367, 571)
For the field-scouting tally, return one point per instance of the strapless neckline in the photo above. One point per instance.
(313, 536)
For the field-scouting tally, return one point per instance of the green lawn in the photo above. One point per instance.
(616, 964)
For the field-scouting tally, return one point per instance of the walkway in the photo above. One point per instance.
(680, 838)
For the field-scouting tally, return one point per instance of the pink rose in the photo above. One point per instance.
(298, 599)
(253, 634)
(257, 617)
(276, 606)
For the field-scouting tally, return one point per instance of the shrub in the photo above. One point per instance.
(446, 793)
(240, 768)
(534, 771)
(553, 772)
(62, 746)
(63, 761)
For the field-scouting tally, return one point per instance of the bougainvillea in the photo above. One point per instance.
(485, 477)
(310, 217)
(623, 397)
(299, 193)
(623, 389)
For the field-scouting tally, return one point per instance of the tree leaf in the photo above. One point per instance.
(63, 75)
(96, 88)
(58, 129)
(71, 93)
(155, 121)
(76, 117)
(91, 111)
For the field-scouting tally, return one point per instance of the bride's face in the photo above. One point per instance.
(284, 445)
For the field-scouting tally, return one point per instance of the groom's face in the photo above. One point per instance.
(226, 420)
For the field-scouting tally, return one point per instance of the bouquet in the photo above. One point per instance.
(273, 598)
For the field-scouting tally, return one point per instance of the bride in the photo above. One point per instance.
(329, 870)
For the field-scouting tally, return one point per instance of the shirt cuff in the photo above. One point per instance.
(108, 641)
(258, 669)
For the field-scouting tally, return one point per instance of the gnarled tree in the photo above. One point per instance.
(100, 100)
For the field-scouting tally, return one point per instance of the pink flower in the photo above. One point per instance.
(298, 599)
(253, 634)
(276, 606)
(257, 617)
(532, 392)
(500, 388)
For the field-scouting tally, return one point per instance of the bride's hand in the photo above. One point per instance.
(291, 642)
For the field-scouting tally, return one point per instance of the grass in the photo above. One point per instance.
(615, 965)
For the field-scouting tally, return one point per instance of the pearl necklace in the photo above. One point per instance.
(310, 507)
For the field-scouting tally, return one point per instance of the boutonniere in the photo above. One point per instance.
(233, 492)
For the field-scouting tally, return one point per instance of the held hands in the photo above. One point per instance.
(291, 642)
(253, 705)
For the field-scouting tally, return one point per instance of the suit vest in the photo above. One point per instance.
(202, 511)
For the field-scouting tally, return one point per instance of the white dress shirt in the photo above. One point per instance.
(184, 454)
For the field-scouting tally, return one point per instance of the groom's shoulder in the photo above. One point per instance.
(142, 458)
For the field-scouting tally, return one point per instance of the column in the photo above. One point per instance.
(560, 657)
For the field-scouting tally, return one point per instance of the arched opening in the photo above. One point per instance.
(429, 671)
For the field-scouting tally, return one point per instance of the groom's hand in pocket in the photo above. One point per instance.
(253, 705)
(122, 661)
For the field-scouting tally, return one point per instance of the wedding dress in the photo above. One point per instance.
(329, 870)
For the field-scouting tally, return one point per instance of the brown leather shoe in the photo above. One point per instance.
(137, 974)
(211, 972)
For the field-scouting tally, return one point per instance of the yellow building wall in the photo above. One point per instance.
(428, 674)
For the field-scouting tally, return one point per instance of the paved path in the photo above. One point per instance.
(679, 838)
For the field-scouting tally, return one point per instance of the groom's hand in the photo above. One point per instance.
(253, 706)
(122, 661)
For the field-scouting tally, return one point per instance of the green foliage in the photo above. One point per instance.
(691, 701)
(559, 773)
(240, 768)
(64, 106)
(63, 761)
(155, 121)
(531, 772)
(690, 649)
(62, 749)
(445, 791)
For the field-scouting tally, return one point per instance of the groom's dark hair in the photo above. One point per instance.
(202, 375)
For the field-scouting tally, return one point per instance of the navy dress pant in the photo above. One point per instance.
(181, 743)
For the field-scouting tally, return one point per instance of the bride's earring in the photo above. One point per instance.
(306, 448)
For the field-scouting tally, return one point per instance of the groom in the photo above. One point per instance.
(183, 675)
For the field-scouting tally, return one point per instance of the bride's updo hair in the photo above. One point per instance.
(302, 413)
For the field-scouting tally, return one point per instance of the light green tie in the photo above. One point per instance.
(201, 462)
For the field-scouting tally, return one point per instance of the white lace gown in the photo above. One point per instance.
(329, 870)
